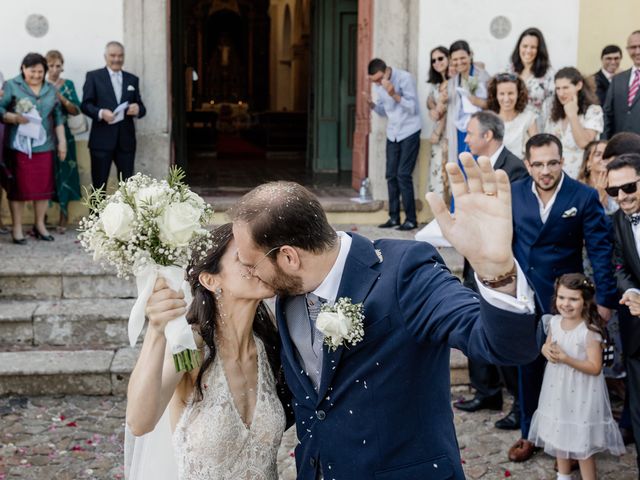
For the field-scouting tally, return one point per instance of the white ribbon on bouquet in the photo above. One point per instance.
(177, 332)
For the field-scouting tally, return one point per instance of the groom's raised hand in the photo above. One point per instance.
(481, 228)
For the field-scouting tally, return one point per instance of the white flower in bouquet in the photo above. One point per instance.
(178, 223)
(117, 220)
(150, 228)
(24, 105)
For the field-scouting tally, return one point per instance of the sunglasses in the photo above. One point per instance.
(631, 187)
(506, 77)
(437, 59)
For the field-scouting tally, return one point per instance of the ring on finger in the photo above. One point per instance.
(490, 194)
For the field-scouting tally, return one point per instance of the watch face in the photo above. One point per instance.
(37, 25)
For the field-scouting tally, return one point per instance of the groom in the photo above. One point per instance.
(381, 408)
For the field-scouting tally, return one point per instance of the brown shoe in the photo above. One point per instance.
(521, 451)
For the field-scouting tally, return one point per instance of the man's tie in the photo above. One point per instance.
(634, 219)
(634, 87)
(117, 85)
(314, 304)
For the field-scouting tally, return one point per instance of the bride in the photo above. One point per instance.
(227, 417)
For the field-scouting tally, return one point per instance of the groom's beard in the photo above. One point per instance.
(284, 285)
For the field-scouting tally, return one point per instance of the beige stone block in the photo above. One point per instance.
(30, 287)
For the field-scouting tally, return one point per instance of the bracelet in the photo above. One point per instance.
(502, 280)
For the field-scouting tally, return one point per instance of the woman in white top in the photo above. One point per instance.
(226, 416)
(576, 118)
(530, 61)
(508, 98)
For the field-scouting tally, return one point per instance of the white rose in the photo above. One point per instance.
(148, 195)
(117, 219)
(178, 223)
(333, 324)
(195, 200)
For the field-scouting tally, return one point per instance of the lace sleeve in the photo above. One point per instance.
(592, 339)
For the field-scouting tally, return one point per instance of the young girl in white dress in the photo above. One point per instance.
(574, 420)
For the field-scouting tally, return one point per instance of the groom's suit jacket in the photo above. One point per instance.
(627, 264)
(383, 409)
(547, 250)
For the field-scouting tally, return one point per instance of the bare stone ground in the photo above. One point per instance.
(80, 437)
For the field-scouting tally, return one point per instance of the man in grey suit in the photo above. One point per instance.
(622, 106)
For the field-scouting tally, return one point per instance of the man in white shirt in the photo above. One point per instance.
(397, 99)
(623, 177)
(107, 91)
(554, 218)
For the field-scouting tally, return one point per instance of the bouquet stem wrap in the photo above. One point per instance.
(177, 332)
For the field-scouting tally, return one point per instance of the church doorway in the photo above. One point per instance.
(263, 90)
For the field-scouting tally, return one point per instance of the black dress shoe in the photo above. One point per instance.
(510, 422)
(475, 404)
(407, 226)
(389, 223)
(19, 241)
(40, 236)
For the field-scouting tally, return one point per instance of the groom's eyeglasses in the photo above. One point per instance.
(250, 271)
(630, 187)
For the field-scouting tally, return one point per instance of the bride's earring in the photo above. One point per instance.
(217, 293)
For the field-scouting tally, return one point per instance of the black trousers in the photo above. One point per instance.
(101, 165)
(401, 160)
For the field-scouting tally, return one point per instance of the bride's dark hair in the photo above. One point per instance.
(204, 311)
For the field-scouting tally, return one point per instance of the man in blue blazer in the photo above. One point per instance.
(380, 407)
(111, 140)
(554, 217)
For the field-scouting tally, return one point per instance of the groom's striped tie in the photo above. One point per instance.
(634, 87)
(314, 304)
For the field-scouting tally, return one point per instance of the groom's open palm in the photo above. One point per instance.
(481, 228)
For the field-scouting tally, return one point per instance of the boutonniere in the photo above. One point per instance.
(341, 323)
(131, 88)
(572, 212)
(379, 254)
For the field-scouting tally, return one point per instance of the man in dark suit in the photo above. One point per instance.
(112, 139)
(554, 217)
(380, 407)
(622, 105)
(610, 58)
(623, 176)
(485, 133)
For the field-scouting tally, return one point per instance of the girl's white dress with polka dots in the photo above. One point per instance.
(573, 419)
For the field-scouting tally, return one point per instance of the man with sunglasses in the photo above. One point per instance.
(623, 174)
(554, 218)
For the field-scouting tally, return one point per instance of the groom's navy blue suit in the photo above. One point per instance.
(383, 409)
(547, 250)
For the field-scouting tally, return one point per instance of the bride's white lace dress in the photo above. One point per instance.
(212, 442)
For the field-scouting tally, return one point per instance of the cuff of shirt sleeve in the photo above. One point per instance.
(523, 302)
(100, 113)
(633, 290)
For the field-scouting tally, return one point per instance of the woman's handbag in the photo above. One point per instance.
(77, 124)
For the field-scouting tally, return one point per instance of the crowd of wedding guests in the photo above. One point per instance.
(574, 138)
(41, 166)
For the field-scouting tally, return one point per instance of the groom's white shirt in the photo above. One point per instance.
(523, 302)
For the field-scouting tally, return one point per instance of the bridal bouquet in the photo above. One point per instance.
(150, 228)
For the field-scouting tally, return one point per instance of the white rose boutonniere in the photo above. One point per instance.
(341, 323)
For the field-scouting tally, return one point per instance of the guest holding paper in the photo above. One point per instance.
(67, 177)
(31, 109)
(111, 97)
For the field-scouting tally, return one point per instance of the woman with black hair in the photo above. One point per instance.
(226, 416)
(576, 118)
(437, 106)
(530, 61)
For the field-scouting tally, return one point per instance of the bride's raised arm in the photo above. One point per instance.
(154, 378)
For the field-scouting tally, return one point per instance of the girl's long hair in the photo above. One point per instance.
(586, 97)
(590, 315)
(204, 309)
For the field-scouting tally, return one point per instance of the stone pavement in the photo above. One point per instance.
(80, 437)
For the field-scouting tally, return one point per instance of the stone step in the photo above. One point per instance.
(92, 322)
(73, 275)
(66, 372)
(99, 372)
